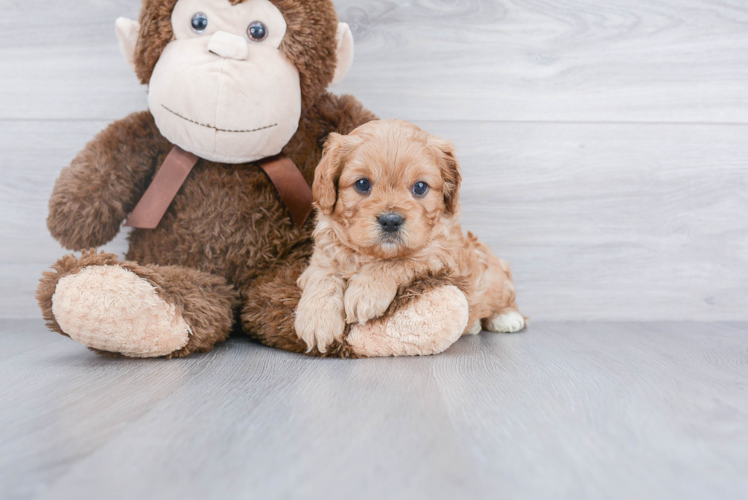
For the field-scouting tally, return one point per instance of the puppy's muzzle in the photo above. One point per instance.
(391, 222)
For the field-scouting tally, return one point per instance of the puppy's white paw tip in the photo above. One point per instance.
(475, 329)
(511, 322)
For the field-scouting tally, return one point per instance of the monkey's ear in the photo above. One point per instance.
(344, 52)
(450, 169)
(127, 34)
(327, 174)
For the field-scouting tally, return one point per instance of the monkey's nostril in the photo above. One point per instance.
(228, 45)
(391, 222)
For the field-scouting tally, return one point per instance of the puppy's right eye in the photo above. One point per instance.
(363, 186)
(420, 189)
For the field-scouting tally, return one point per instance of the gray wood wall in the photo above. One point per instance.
(604, 143)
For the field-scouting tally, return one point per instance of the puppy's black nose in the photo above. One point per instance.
(391, 223)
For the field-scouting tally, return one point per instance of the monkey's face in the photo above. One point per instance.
(222, 89)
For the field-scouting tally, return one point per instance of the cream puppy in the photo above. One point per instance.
(387, 196)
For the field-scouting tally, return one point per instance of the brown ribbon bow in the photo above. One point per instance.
(283, 173)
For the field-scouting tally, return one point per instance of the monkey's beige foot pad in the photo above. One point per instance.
(114, 310)
(427, 325)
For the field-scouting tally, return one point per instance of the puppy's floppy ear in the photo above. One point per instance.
(325, 187)
(450, 169)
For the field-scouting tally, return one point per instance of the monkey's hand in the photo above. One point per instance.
(319, 315)
(368, 296)
(95, 193)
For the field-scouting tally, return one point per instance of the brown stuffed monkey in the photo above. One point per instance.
(214, 179)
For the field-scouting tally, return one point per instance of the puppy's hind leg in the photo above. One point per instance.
(475, 329)
(506, 317)
(507, 322)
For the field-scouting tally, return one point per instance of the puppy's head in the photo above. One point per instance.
(385, 187)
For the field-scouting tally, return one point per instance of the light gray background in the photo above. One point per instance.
(604, 143)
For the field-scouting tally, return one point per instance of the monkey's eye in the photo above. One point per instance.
(257, 31)
(420, 189)
(199, 23)
(363, 186)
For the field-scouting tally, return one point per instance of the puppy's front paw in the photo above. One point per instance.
(319, 322)
(367, 298)
(510, 322)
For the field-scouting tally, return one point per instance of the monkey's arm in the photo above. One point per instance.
(92, 196)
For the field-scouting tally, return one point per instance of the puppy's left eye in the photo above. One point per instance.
(363, 186)
(420, 188)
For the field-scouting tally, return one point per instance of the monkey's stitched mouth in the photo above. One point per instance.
(216, 128)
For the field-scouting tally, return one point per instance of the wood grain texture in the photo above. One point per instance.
(552, 60)
(539, 60)
(618, 222)
(33, 153)
(603, 141)
(565, 410)
(603, 221)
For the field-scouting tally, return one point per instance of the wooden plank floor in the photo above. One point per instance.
(564, 410)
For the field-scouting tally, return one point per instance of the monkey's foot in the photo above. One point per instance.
(113, 309)
(427, 325)
(137, 311)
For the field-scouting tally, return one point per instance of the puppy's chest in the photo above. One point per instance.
(347, 270)
(404, 269)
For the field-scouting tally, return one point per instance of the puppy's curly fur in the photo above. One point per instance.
(388, 205)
